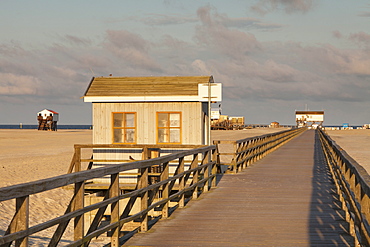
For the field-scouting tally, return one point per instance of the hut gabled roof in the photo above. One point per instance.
(48, 110)
(111, 89)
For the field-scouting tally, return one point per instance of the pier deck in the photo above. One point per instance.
(286, 199)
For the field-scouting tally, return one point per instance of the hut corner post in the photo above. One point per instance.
(79, 199)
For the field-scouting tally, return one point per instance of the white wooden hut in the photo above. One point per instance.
(151, 110)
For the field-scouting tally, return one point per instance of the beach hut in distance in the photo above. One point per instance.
(47, 119)
(151, 110)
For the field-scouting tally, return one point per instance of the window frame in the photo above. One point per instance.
(169, 127)
(124, 128)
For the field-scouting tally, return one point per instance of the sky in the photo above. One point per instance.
(273, 57)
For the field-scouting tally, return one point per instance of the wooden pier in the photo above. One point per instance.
(285, 199)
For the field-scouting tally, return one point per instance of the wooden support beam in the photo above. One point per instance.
(194, 164)
(79, 204)
(144, 199)
(78, 198)
(114, 193)
(207, 170)
(22, 220)
(214, 167)
(165, 191)
(181, 183)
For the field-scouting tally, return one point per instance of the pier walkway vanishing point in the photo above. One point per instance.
(286, 199)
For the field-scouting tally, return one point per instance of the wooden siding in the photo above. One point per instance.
(192, 121)
(192, 128)
(146, 86)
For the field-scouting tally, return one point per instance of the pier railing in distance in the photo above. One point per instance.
(353, 187)
(249, 150)
(195, 172)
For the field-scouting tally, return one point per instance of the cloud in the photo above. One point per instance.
(74, 40)
(213, 34)
(337, 34)
(242, 22)
(163, 20)
(289, 6)
(131, 48)
(360, 38)
(157, 19)
(11, 84)
(201, 67)
(12, 49)
(364, 14)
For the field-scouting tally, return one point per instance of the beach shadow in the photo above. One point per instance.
(327, 224)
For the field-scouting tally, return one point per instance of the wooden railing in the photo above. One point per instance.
(249, 150)
(191, 180)
(146, 153)
(353, 187)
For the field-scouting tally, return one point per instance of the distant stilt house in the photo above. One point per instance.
(47, 120)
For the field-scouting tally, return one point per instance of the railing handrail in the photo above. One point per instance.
(249, 150)
(176, 146)
(252, 138)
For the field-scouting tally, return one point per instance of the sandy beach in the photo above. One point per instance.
(29, 155)
(355, 142)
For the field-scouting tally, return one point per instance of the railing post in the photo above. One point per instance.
(181, 182)
(165, 192)
(214, 167)
(79, 199)
(144, 198)
(22, 219)
(77, 159)
(235, 161)
(114, 192)
(207, 170)
(218, 159)
(365, 210)
(194, 164)
(245, 154)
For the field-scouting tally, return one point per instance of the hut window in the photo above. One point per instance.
(124, 127)
(169, 127)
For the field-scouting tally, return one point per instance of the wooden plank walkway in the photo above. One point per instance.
(285, 199)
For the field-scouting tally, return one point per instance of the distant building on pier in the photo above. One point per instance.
(311, 119)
